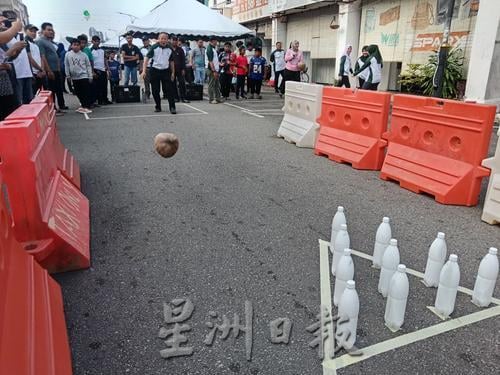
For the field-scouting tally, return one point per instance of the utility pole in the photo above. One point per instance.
(443, 52)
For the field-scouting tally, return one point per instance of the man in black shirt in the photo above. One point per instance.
(131, 55)
(180, 70)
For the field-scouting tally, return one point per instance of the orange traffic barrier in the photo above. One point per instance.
(33, 339)
(46, 207)
(42, 108)
(351, 127)
(436, 146)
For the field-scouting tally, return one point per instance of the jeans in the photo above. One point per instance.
(240, 85)
(130, 74)
(213, 86)
(199, 75)
(161, 78)
(255, 85)
(24, 90)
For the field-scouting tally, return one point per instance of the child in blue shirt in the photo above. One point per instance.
(257, 66)
(114, 74)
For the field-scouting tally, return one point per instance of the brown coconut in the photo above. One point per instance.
(166, 144)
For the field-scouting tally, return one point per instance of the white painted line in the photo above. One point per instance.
(253, 114)
(86, 116)
(196, 109)
(326, 301)
(147, 116)
(410, 338)
(235, 106)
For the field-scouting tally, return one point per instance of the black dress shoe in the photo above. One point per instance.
(185, 101)
(173, 111)
(157, 109)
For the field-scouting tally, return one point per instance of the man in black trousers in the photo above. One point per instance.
(180, 70)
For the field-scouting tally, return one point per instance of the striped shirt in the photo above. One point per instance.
(161, 56)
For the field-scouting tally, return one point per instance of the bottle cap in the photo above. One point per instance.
(351, 284)
(441, 235)
(393, 242)
(493, 251)
(340, 209)
(386, 220)
(347, 252)
(343, 226)
(401, 268)
(453, 258)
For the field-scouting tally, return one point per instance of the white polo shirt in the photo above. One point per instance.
(161, 56)
(98, 55)
(21, 62)
(35, 53)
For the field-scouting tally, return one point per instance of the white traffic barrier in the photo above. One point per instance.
(390, 261)
(382, 238)
(344, 273)
(302, 108)
(486, 279)
(396, 299)
(347, 324)
(435, 261)
(448, 287)
(337, 221)
(491, 210)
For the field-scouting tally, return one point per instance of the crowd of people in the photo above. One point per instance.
(31, 60)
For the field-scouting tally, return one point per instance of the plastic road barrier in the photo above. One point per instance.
(351, 127)
(33, 339)
(66, 163)
(491, 210)
(46, 207)
(302, 107)
(436, 146)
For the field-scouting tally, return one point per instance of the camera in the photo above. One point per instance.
(11, 17)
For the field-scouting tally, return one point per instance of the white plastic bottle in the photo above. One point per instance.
(486, 279)
(435, 261)
(338, 220)
(382, 238)
(396, 299)
(344, 273)
(342, 242)
(390, 262)
(348, 316)
(448, 286)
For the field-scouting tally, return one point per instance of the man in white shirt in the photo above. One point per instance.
(100, 85)
(279, 64)
(24, 75)
(144, 51)
(35, 58)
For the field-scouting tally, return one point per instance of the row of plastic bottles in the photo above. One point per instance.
(393, 281)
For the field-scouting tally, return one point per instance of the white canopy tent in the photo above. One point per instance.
(188, 19)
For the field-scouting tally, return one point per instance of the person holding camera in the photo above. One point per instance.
(294, 59)
(8, 30)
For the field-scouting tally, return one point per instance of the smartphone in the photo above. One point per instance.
(20, 37)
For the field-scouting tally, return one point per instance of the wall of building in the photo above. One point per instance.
(409, 30)
(18, 7)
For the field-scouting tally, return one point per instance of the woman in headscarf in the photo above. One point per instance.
(345, 67)
(363, 76)
(294, 64)
(374, 63)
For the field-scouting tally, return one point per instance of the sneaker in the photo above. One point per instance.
(173, 111)
(214, 102)
(237, 97)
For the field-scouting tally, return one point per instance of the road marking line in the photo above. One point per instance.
(253, 114)
(410, 338)
(235, 106)
(145, 116)
(86, 116)
(196, 109)
(326, 301)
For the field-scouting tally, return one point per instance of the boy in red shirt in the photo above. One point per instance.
(241, 71)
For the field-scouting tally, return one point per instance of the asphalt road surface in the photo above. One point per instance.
(235, 216)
